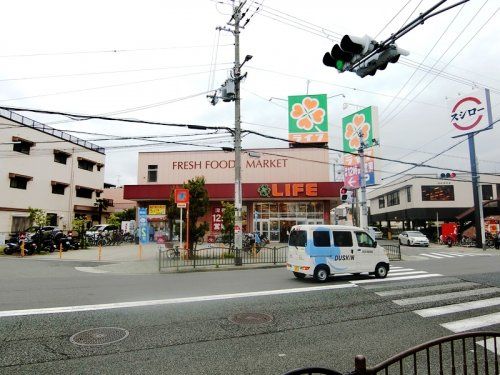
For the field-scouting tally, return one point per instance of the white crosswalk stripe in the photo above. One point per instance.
(437, 255)
(482, 310)
(398, 273)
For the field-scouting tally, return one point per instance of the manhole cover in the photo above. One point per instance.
(99, 336)
(250, 318)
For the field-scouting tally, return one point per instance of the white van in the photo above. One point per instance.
(323, 250)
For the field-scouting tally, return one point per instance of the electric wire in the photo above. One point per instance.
(392, 19)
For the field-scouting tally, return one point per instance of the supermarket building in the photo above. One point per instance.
(281, 187)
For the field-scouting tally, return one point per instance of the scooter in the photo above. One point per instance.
(30, 247)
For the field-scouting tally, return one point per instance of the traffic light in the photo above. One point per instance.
(350, 50)
(343, 194)
(379, 61)
(447, 175)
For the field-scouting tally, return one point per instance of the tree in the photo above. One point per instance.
(198, 207)
(102, 204)
(228, 223)
(116, 218)
(37, 216)
(78, 224)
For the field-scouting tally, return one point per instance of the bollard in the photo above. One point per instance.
(140, 252)
(100, 250)
(22, 248)
(60, 250)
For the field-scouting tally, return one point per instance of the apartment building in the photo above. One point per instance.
(42, 167)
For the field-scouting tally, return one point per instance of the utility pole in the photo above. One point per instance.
(238, 237)
(363, 217)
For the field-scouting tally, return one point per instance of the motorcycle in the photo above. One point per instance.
(14, 246)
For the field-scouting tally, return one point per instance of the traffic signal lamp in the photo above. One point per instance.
(350, 50)
(379, 61)
(447, 175)
(343, 194)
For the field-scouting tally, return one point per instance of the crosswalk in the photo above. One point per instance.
(447, 255)
(454, 304)
(398, 274)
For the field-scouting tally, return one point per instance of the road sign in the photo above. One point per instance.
(181, 205)
(352, 170)
(181, 195)
(468, 112)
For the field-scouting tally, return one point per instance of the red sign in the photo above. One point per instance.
(216, 219)
(181, 195)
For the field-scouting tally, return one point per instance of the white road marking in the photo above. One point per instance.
(443, 255)
(391, 274)
(443, 296)
(90, 270)
(490, 344)
(389, 279)
(473, 323)
(431, 256)
(392, 270)
(429, 288)
(458, 307)
(170, 301)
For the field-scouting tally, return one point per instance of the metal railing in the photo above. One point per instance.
(175, 258)
(463, 353)
(393, 251)
(49, 130)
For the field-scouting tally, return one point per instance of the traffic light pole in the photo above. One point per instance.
(363, 217)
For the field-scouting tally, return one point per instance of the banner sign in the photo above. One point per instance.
(143, 225)
(308, 118)
(157, 209)
(366, 122)
(216, 219)
(468, 112)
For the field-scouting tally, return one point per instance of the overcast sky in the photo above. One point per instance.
(151, 60)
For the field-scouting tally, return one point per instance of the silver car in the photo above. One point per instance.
(413, 238)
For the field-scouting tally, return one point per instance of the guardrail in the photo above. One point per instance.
(175, 258)
(393, 251)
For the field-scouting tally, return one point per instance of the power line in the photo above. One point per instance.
(392, 19)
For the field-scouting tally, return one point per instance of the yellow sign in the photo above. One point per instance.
(157, 209)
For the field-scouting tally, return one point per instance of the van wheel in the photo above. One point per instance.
(299, 275)
(381, 271)
(321, 273)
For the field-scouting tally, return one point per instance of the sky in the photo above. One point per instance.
(157, 60)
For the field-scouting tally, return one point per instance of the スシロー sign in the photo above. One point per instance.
(468, 112)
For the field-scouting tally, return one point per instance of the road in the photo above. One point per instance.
(187, 323)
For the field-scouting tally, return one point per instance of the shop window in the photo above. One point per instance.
(487, 192)
(82, 192)
(438, 193)
(19, 181)
(321, 238)
(408, 194)
(61, 157)
(22, 145)
(381, 202)
(393, 198)
(342, 239)
(152, 173)
(85, 164)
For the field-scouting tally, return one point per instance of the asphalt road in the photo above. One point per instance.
(309, 326)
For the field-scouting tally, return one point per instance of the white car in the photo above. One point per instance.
(378, 234)
(413, 238)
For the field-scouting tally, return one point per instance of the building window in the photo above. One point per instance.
(52, 219)
(393, 198)
(152, 173)
(381, 202)
(60, 156)
(82, 192)
(22, 145)
(19, 181)
(438, 193)
(88, 165)
(487, 192)
(58, 187)
(408, 194)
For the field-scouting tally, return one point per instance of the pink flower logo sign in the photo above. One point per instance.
(352, 130)
(307, 118)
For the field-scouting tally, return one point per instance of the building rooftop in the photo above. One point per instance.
(13, 116)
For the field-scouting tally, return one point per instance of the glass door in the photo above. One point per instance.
(262, 227)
